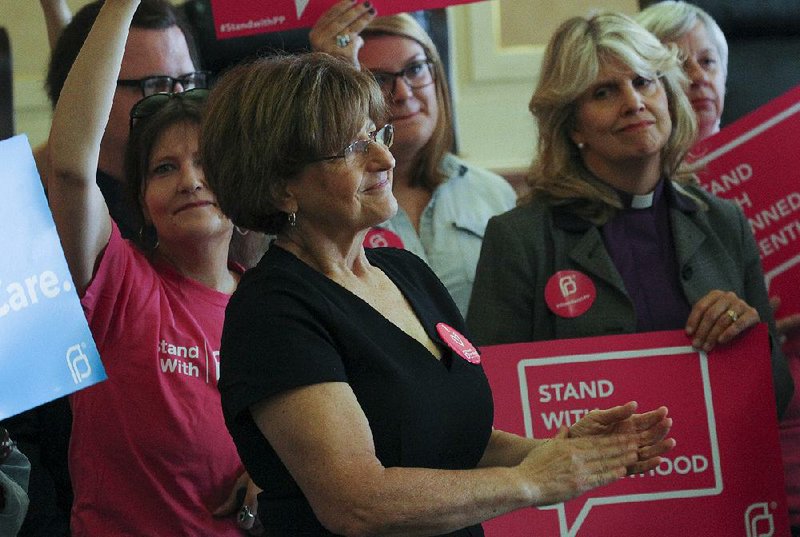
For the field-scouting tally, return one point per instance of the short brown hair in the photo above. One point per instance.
(268, 119)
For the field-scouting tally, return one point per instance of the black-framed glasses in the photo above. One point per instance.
(152, 85)
(152, 104)
(383, 136)
(417, 74)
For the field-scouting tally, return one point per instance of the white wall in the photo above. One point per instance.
(498, 47)
(30, 52)
(493, 85)
(493, 80)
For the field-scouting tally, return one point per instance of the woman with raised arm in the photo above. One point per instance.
(348, 383)
(149, 452)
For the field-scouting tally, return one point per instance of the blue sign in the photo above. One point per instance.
(46, 349)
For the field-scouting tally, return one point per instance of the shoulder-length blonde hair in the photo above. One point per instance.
(572, 62)
(427, 171)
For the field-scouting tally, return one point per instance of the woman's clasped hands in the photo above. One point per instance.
(601, 448)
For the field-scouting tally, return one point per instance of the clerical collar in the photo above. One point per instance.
(641, 201)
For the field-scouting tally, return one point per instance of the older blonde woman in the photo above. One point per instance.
(611, 203)
(704, 51)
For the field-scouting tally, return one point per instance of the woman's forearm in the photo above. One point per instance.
(56, 16)
(506, 449)
(79, 121)
(324, 440)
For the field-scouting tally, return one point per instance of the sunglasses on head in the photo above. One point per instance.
(152, 104)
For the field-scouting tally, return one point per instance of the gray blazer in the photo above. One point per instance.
(525, 246)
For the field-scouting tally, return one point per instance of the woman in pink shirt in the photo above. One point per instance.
(149, 452)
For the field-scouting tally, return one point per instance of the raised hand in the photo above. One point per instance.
(337, 30)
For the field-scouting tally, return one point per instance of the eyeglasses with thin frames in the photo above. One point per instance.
(417, 74)
(383, 136)
(153, 85)
(153, 103)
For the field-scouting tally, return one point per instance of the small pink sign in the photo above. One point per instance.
(458, 343)
(569, 293)
(237, 18)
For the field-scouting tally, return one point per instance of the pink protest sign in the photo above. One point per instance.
(236, 18)
(724, 476)
(753, 161)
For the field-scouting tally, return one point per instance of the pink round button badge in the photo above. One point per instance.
(379, 237)
(458, 343)
(569, 293)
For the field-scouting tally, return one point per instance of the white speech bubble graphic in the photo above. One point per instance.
(749, 135)
(565, 529)
(300, 6)
(780, 269)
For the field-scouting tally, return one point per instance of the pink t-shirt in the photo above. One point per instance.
(790, 443)
(150, 453)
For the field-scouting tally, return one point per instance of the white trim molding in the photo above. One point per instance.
(491, 61)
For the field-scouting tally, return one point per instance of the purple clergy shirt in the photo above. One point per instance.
(639, 240)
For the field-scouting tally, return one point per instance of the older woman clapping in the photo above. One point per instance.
(612, 203)
(348, 385)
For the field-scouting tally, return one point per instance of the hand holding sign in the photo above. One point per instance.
(751, 162)
(719, 317)
(337, 30)
(237, 18)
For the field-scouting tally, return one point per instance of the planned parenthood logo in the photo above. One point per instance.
(78, 363)
(41, 318)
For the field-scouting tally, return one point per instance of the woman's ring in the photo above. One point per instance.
(733, 315)
(246, 517)
(343, 40)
